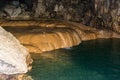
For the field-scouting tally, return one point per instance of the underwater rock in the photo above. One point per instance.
(14, 58)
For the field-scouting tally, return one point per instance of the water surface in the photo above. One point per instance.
(91, 60)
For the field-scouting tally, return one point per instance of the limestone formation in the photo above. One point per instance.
(40, 9)
(13, 56)
(12, 10)
(45, 35)
(96, 13)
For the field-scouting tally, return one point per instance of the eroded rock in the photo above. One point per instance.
(12, 10)
(40, 36)
(13, 56)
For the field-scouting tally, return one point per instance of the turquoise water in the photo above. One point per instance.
(91, 60)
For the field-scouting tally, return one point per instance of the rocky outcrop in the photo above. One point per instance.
(45, 35)
(38, 40)
(13, 10)
(14, 58)
(102, 14)
(40, 8)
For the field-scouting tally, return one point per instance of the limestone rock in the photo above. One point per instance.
(39, 40)
(23, 16)
(2, 14)
(12, 10)
(40, 9)
(96, 13)
(40, 36)
(12, 54)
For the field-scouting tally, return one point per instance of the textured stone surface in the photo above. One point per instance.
(46, 39)
(13, 56)
(40, 9)
(96, 13)
(12, 11)
(48, 35)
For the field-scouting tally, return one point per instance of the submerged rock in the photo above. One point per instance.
(13, 56)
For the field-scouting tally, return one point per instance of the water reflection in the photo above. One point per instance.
(92, 60)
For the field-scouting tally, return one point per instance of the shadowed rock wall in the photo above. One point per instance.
(96, 13)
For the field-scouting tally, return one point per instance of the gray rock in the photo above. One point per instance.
(12, 10)
(2, 14)
(40, 9)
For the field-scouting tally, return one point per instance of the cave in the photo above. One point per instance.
(67, 39)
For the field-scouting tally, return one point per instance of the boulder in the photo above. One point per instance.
(12, 10)
(14, 58)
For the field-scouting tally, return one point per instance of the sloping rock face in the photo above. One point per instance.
(45, 35)
(12, 9)
(13, 56)
(40, 39)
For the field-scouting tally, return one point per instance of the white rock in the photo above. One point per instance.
(12, 54)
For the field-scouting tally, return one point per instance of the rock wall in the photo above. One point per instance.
(48, 35)
(95, 13)
(108, 12)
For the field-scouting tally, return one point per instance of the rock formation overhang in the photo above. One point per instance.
(45, 35)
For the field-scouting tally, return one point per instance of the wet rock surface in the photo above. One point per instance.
(45, 35)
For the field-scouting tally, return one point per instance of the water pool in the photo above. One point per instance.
(91, 60)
